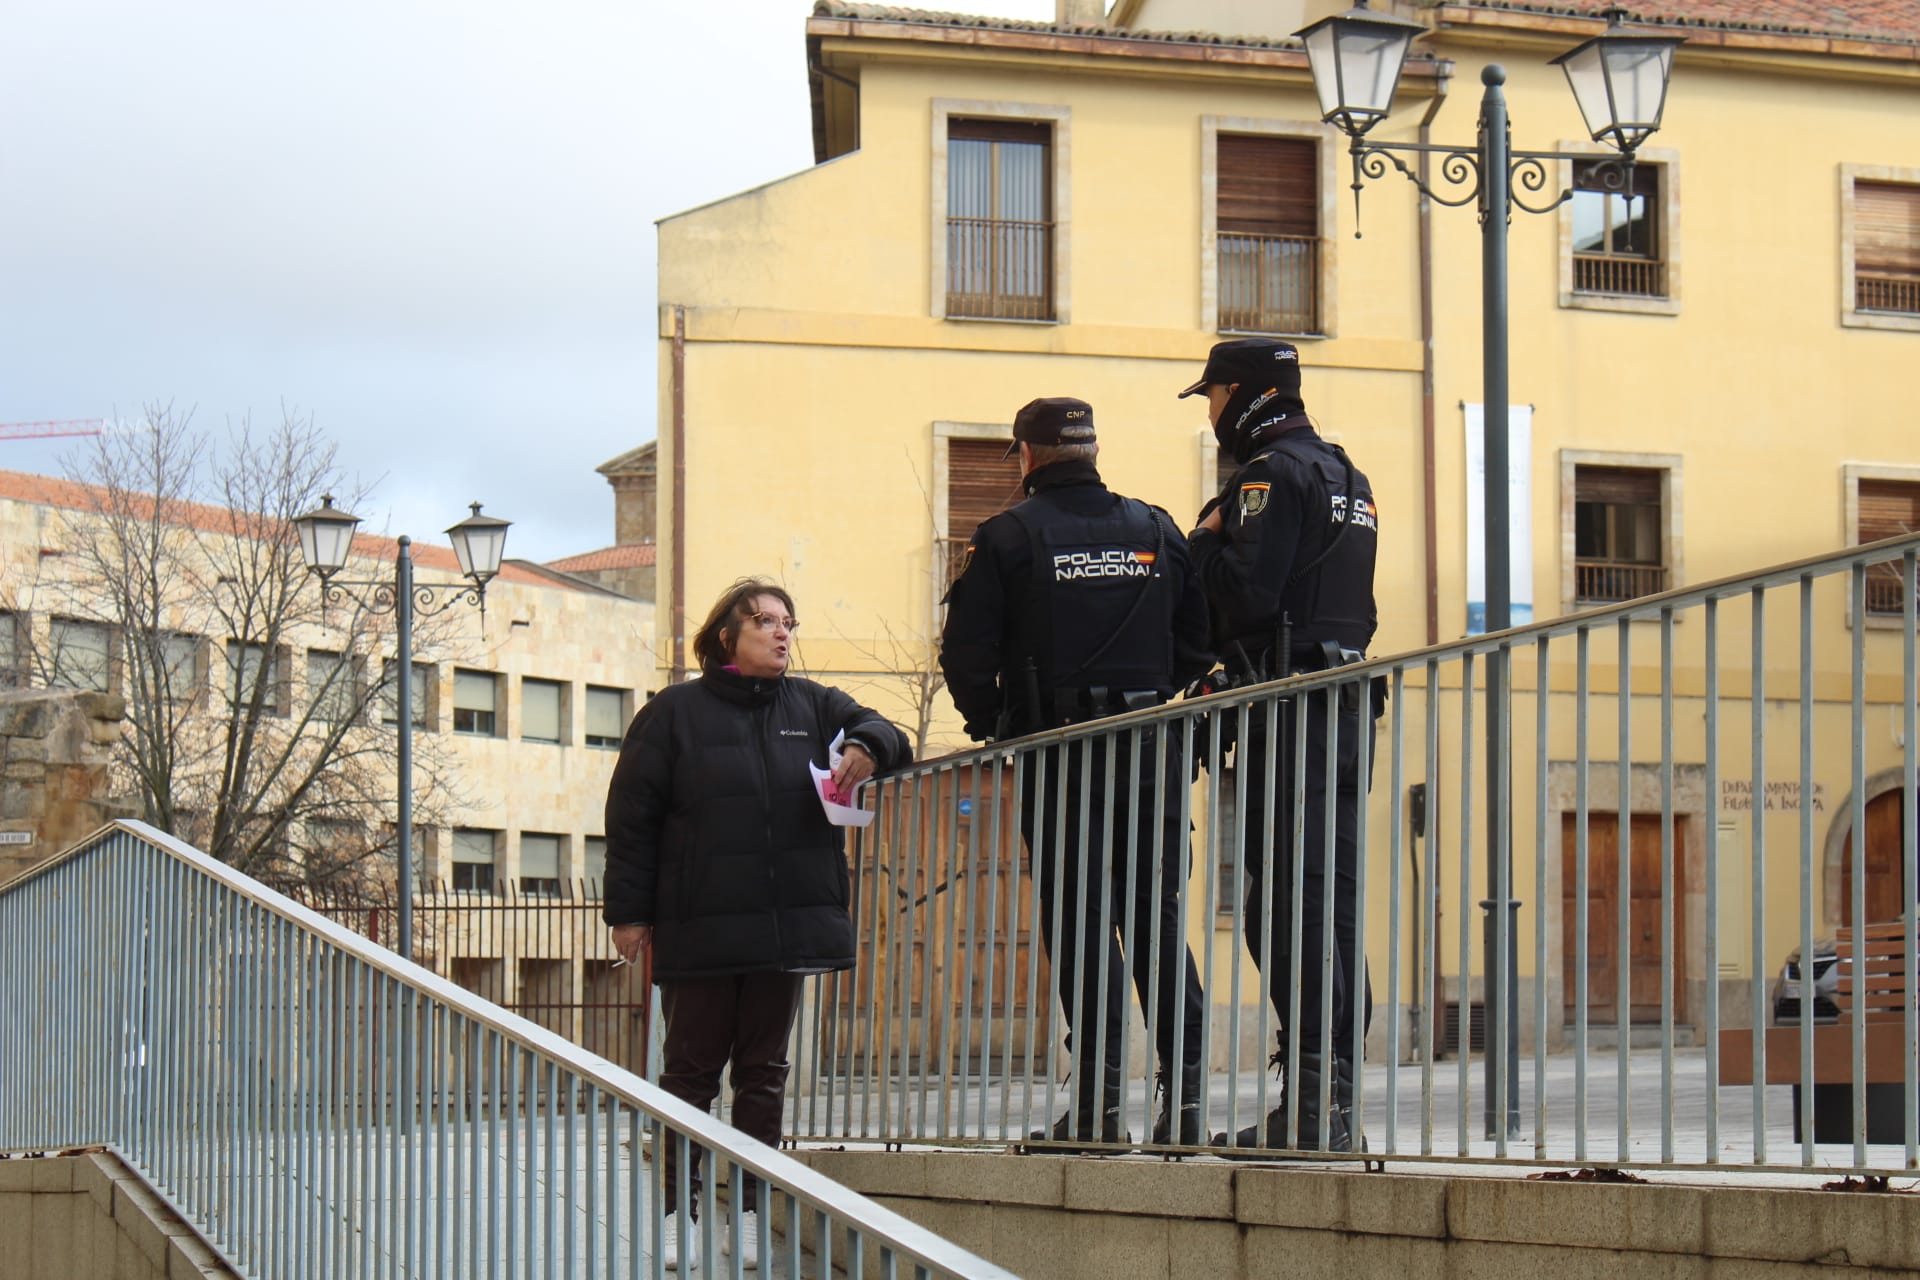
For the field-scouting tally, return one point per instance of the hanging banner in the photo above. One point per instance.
(1519, 514)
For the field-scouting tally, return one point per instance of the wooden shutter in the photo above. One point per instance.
(1886, 227)
(1888, 509)
(980, 483)
(1267, 185)
(1617, 486)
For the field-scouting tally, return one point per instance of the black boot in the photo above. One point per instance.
(1343, 1099)
(1080, 1130)
(1189, 1134)
(1272, 1135)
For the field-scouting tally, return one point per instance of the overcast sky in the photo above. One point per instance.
(428, 225)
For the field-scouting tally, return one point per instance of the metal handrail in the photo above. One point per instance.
(947, 1031)
(316, 1105)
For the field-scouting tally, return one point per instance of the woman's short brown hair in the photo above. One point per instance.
(711, 645)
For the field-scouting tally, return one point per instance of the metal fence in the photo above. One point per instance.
(544, 956)
(318, 1107)
(1679, 791)
(1269, 283)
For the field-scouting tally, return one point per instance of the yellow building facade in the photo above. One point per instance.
(1708, 369)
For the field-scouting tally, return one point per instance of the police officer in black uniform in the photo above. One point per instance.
(1286, 556)
(1074, 604)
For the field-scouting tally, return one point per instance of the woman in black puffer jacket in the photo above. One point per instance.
(720, 858)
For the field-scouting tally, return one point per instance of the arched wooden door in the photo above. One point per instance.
(1885, 827)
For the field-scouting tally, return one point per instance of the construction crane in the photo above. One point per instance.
(48, 430)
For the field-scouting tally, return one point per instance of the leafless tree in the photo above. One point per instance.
(180, 583)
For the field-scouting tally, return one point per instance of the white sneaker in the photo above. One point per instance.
(749, 1240)
(670, 1245)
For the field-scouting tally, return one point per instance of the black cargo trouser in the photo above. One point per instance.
(743, 1019)
(1085, 874)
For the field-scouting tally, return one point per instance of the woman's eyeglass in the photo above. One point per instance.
(768, 622)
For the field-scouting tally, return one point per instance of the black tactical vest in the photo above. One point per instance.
(1098, 611)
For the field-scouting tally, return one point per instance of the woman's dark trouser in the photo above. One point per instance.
(1275, 958)
(1078, 952)
(745, 1019)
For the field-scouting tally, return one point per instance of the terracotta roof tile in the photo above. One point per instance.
(630, 556)
(1895, 20)
(67, 495)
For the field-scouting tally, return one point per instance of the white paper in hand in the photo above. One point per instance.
(840, 808)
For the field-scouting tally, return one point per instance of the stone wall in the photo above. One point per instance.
(55, 746)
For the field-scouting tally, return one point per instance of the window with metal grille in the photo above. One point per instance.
(82, 654)
(1886, 247)
(1888, 509)
(1000, 219)
(1618, 534)
(473, 860)
(1267, 245)
(606, 716)
(540, 710)
(981, 483)
(539, 863)
(1616, 231)
(475, 705)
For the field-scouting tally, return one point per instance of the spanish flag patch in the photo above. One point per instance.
(1253, 497)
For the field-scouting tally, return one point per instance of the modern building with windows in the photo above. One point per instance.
(1706, 363)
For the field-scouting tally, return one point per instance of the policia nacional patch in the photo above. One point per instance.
(1253, 498)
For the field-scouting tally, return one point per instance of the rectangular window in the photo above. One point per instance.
(330, 685)
(593, 863)
(82, 655)
(1268, 202)
(1888, 509)
(606, 716)
(539, 864)
(175, 665)
(12, 675)
(252, 670)
(540, 710)
(472, 860)
(1618, 534)
(1616, 230)
(419, 693)
(1886, 247)
(1000, 219)
(981, 483)
(474, 703)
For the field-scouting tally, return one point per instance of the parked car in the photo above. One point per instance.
(1826, 985)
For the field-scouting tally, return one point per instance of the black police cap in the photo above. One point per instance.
(1262, 362)
(1052, 420)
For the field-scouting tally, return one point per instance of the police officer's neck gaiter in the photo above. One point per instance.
(1250, 409)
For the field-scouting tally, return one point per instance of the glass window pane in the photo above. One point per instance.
(540, 710)
(593, 861)
(330, 685)
(250, 668)
(9, 651)
(82, 655)
(606, 716)
(416, 694)
(473, 702)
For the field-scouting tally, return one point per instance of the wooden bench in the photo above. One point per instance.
(1882, 985)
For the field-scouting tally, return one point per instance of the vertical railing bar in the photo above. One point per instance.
(1500, 965)
(1910, 841)
(931, 1010)
(1757, 984)
(1128, 912)
(990, 947)
(963, 1051)
(1858, 790)
(1357, 976)
(1297, 846)
(1214, 894)
(1712, 984)
(1464, 913)
(1329, 894)
(1270, 853)
(1623, 890)
(952, 1055)
(1430, 926)
(1037, 762)
(1396, 850)
(1669, 898)
(1542, 679)
(1806, 868)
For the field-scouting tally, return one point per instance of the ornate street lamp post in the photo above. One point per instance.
(326, 536)
(1620, 82)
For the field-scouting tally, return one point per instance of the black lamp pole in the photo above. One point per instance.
(1620, 83)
